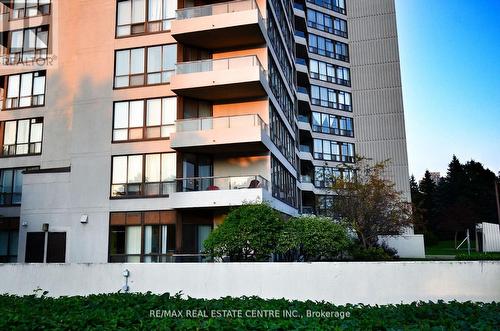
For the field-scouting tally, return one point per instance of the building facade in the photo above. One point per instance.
(130, 127)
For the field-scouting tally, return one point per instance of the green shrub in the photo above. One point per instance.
(312, 238)
(248, 233)
(133, 312)
(378, 253)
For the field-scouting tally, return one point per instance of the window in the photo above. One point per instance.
(333, 151)
(29, 8)
(330, 98)
(328, 23)
(280, 91)
(324, 177)
(328, 47)
(331, 124)
(142, 236)
(284, 185)
(11, 181)
(28, 44)
(25, 90)
(335, 5)
(324, 205)
(145, 66)
(281, 137)
(144, 119)
(279, 48)
(9, 236)
(144, 16)
(22, 137)
(143, 175)
(329, 72)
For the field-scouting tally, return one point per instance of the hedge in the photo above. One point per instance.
(132, 311)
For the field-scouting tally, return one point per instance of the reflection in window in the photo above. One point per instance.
(332, 124)
(142, 236)
(29, 8)
(330, 98)
(329, 150)
(329, 72)
(328, 47)
(143, 175)
(144, 119)
(144, 16)
(11, 184)
(28, 44)
(22, 137)
(328, 23)
(145, 66)
(25, 90)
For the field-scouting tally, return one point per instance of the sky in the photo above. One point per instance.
(450, 67)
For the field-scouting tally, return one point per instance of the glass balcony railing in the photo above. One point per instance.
(305, 148)
(221, 183)
(194, 184)
(302, 89)
(298, 6)
(306, 178)
(232, 63)
(216, 9)
(299, 60)
(303, 119)
(226, 122)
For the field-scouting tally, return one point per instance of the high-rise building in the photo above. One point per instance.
(130, 127)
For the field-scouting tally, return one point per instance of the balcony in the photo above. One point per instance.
(220, 25)
(231, 134)
(220, 79)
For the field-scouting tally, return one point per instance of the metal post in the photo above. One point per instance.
(468, 242)
(497, 194)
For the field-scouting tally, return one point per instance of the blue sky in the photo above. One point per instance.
(450, 66)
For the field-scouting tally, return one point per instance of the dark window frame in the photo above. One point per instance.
(19, 57)
(334, 157)
(29, 143)
(4, 93)
(164, 188)
(12, 193)
(24, 16)
(144, 121)
(332, 130)
(323, 27)
(145, 73)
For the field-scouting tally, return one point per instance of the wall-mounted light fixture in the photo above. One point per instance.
(84, 219)
(45, 227)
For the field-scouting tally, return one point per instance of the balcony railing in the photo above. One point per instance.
(232, 63)
(298, 6)
(302, 89)
(299, 33)
(216, 9)
(299, 60)
(303, 118)
(306, 178)
(192, 184)
(226, 122)
(305, 148)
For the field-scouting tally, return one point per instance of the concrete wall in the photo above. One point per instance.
(376, 80)
(337, 282)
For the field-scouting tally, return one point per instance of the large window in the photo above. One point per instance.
(284, 185)
(328, 47)
(141, 236)
(144, 119)
(11, 184)
(25, 90)
(281, 137)
(279, 48)
(280, 92)
(329, 150)
(330, 98)
(324, 177)
(332, 124)
(28, 44)
(144, 16)
(335, 5)
(145, 66)
(22, 137)
(9, 235)
(29, 8)
(328, 23)
(329, 72)
(143, 175)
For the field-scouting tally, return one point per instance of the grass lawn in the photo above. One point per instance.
(448, 248)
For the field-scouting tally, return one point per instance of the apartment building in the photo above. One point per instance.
(130, 127)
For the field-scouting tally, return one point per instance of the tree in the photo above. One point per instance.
(248, 233)
(369, 204)
(311, 238)
(427, 189)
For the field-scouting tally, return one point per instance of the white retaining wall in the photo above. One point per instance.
(337, 282)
